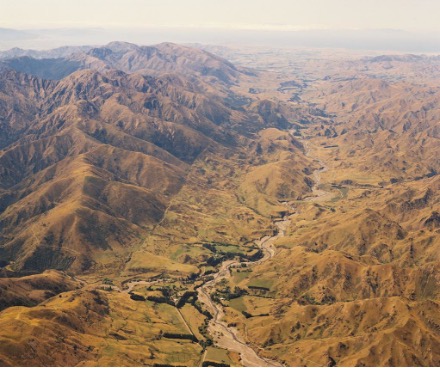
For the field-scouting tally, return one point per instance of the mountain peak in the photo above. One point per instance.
(121, 46)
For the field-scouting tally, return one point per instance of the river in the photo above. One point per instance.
(228, 337)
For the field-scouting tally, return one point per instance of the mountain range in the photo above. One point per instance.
(299, 196)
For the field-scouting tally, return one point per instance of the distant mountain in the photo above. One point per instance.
(60, 52)
(402, 58)
(127, 57)
(165, 57)
(54, 69)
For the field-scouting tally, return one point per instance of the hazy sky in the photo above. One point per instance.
(415, 15)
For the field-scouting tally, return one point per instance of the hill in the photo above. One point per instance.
(353, 282)
(287, 216)
(93, 160)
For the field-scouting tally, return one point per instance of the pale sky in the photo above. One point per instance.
(414, 15)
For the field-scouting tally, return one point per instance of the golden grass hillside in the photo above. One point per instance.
(100, 163)
(152, 175)
(355, 279)
(93, 329)
(216, 202)
(32, 290)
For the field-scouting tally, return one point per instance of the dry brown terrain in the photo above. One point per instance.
(356, 281)
(142, 174)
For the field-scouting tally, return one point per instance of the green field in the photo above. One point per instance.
(262, 282)
(194, 319)
(238, 304)
(240, 276)
(218, 356)
(229, 249)
(170, 319)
